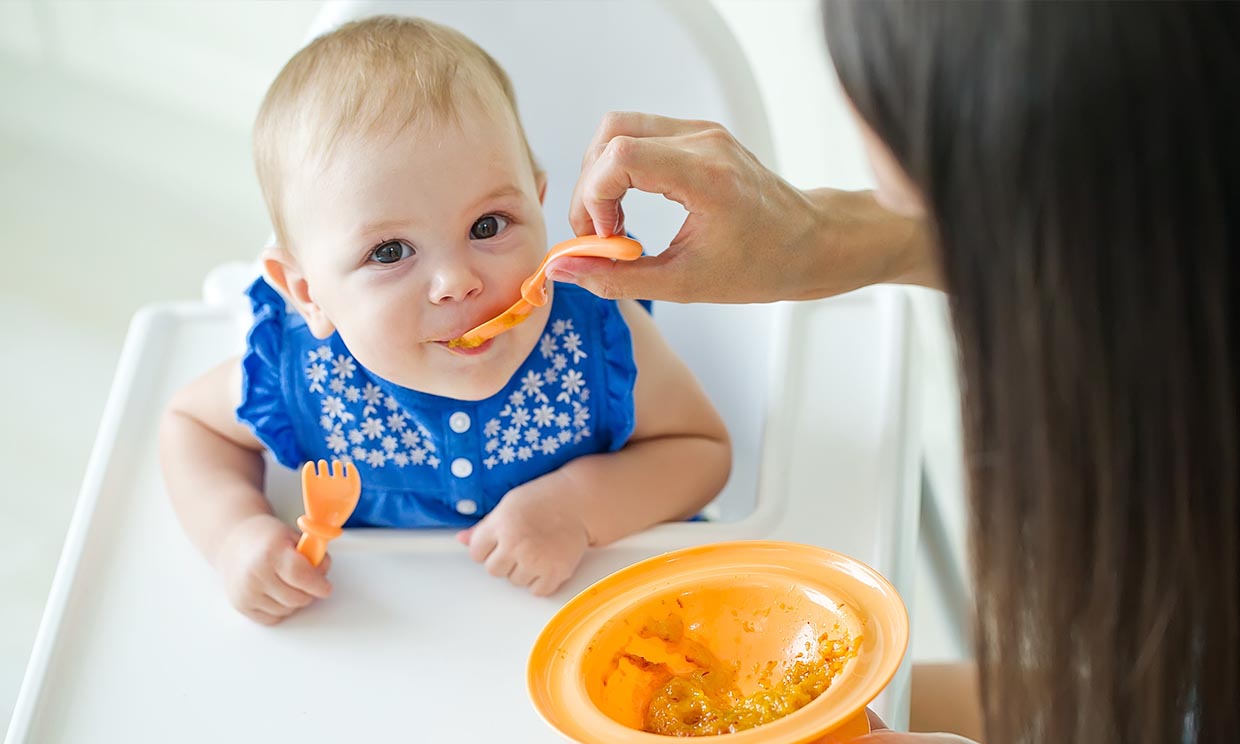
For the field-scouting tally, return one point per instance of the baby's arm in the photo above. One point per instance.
(213, 469)
(676, 460)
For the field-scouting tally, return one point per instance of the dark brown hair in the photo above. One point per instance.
(1081, 168)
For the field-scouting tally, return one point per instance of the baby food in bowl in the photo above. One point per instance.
(763, 641)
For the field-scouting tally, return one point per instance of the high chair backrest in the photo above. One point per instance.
(571, 63)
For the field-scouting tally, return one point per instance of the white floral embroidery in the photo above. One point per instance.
(523, 431)
(377, 439)
(572, 382)
(372, 428)
(332, 406)
(316, 373)
(532, 384)
(365, 424)
(572, 345)
(343, 367)
(396, 421)
(543, 415)
(336, 441)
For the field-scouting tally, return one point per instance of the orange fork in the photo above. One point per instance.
(330, 497)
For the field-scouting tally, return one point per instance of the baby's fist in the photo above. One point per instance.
(265, 577)
(531, 547)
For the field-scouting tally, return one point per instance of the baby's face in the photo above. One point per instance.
(406, 244)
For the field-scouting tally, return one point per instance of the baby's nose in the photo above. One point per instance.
(454, 281)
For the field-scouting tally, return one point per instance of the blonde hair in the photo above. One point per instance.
(370, 77)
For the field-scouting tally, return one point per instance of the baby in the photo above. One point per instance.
(407, 208)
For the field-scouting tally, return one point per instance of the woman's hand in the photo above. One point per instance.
(880, 734)
(265, 577)
(749, 235)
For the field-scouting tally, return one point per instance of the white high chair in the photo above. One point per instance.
(138, 641)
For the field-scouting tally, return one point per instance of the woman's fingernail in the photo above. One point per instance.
(560, 275)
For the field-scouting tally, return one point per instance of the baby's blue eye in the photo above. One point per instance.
(391, 252)
(488, 226)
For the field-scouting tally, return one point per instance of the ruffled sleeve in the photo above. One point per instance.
(620, 370)
(264, 404)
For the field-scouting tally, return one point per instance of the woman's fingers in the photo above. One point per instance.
(655, 165)
(617, 280)
(876, 723)
(618, 131)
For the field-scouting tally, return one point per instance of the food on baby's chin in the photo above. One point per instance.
(696, 694)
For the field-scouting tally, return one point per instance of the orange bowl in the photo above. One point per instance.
(757, 606)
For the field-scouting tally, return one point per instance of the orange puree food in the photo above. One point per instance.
(696, 694)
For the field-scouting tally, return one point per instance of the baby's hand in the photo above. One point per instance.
(265, 577)
(529, 541)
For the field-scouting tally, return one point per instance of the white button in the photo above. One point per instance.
(466, 507)
(461, 467)
(459, 422)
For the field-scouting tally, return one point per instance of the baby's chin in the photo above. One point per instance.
(474, 374)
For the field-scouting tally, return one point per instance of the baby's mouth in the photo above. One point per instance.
(457, 348)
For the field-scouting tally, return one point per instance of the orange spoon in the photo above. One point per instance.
(330, 498)
(534, 289)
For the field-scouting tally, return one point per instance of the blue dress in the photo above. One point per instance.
(427, 460)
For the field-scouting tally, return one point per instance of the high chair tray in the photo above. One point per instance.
(417, 643)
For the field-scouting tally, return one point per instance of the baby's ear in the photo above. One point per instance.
(285, 274)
